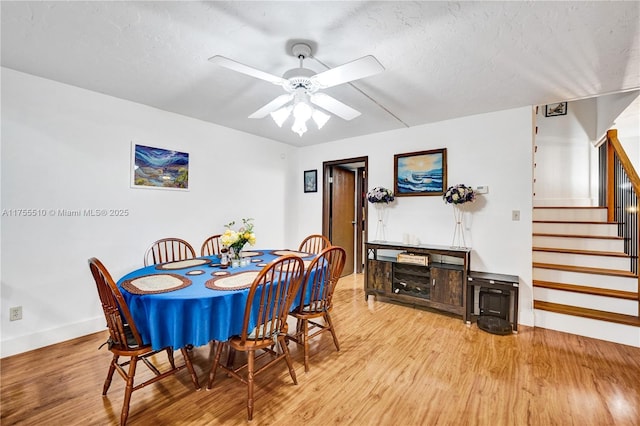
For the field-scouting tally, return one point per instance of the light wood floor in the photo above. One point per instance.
(397, 366)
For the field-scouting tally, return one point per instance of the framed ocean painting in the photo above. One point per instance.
(159, 168)
(420, 173)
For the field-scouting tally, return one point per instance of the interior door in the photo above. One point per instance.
(343, 210)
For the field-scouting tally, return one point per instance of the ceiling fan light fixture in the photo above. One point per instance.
(302, 111)
(320, 118)
(299, 127)
(281, 115)
(302, 86)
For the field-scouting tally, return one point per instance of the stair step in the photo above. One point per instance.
(586, 270)
(583, 252)
(596, 329)
(582, 258)
(596, 291)
(570, 207)
(605, 229)
(587, 313)
(574, 214)
(573, 242)
(597, 237)
(582, 222)
(586, 301)
(586, 279)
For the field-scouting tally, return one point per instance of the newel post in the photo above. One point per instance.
(613, 133)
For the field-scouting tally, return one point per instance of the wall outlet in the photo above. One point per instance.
(15, 313)
(515, 215)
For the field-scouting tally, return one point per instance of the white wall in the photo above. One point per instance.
(68, 148)
(631, 146)
(621, 111)
(490, 149)
(565, 156)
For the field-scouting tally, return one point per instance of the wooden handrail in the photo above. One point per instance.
(611, 195)
(612, 137)
(614, 148)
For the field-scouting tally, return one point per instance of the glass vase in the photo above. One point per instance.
(380, 210)
(458, 231)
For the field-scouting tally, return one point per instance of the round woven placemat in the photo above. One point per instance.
(155, 283)
(182, 264)
(250, 253)
(305, 262)
(293, 252)
(233, 282)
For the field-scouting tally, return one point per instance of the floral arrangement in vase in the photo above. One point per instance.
(459, 194)
(380, 195)
(237, 239)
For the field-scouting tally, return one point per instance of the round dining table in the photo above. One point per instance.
(194, 301)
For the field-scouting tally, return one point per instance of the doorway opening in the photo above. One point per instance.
(344, 208)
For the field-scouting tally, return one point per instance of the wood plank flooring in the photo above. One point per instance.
(397, 366)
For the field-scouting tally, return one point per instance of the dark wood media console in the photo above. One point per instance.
(442, 284)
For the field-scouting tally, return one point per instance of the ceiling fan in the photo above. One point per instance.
(303, 87)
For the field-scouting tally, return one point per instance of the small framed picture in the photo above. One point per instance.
(552, 110)
(310, 181)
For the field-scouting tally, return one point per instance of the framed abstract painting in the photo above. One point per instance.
(159, 168)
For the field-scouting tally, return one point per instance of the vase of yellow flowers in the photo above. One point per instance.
(235, 240)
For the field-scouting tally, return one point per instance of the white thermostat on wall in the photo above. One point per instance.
(482, 189)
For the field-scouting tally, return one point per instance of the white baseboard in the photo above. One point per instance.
(33, 341)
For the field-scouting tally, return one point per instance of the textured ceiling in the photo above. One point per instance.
(442, 59)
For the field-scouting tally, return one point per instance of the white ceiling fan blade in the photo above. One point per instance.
(354, 70)
(246, 69)
(334, 106)
(275, 104)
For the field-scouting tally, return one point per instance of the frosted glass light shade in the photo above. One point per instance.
(302, 111)
(320, 118)
(299, 126)
(281, 115)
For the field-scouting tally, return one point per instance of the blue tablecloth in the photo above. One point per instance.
(193, 314)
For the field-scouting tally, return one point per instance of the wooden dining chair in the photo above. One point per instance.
(211, 246)
(168, 250)
(125, 341)
(314, 244)
(265, 324)
(316, 297)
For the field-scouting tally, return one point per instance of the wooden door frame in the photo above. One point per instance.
(361, 207)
